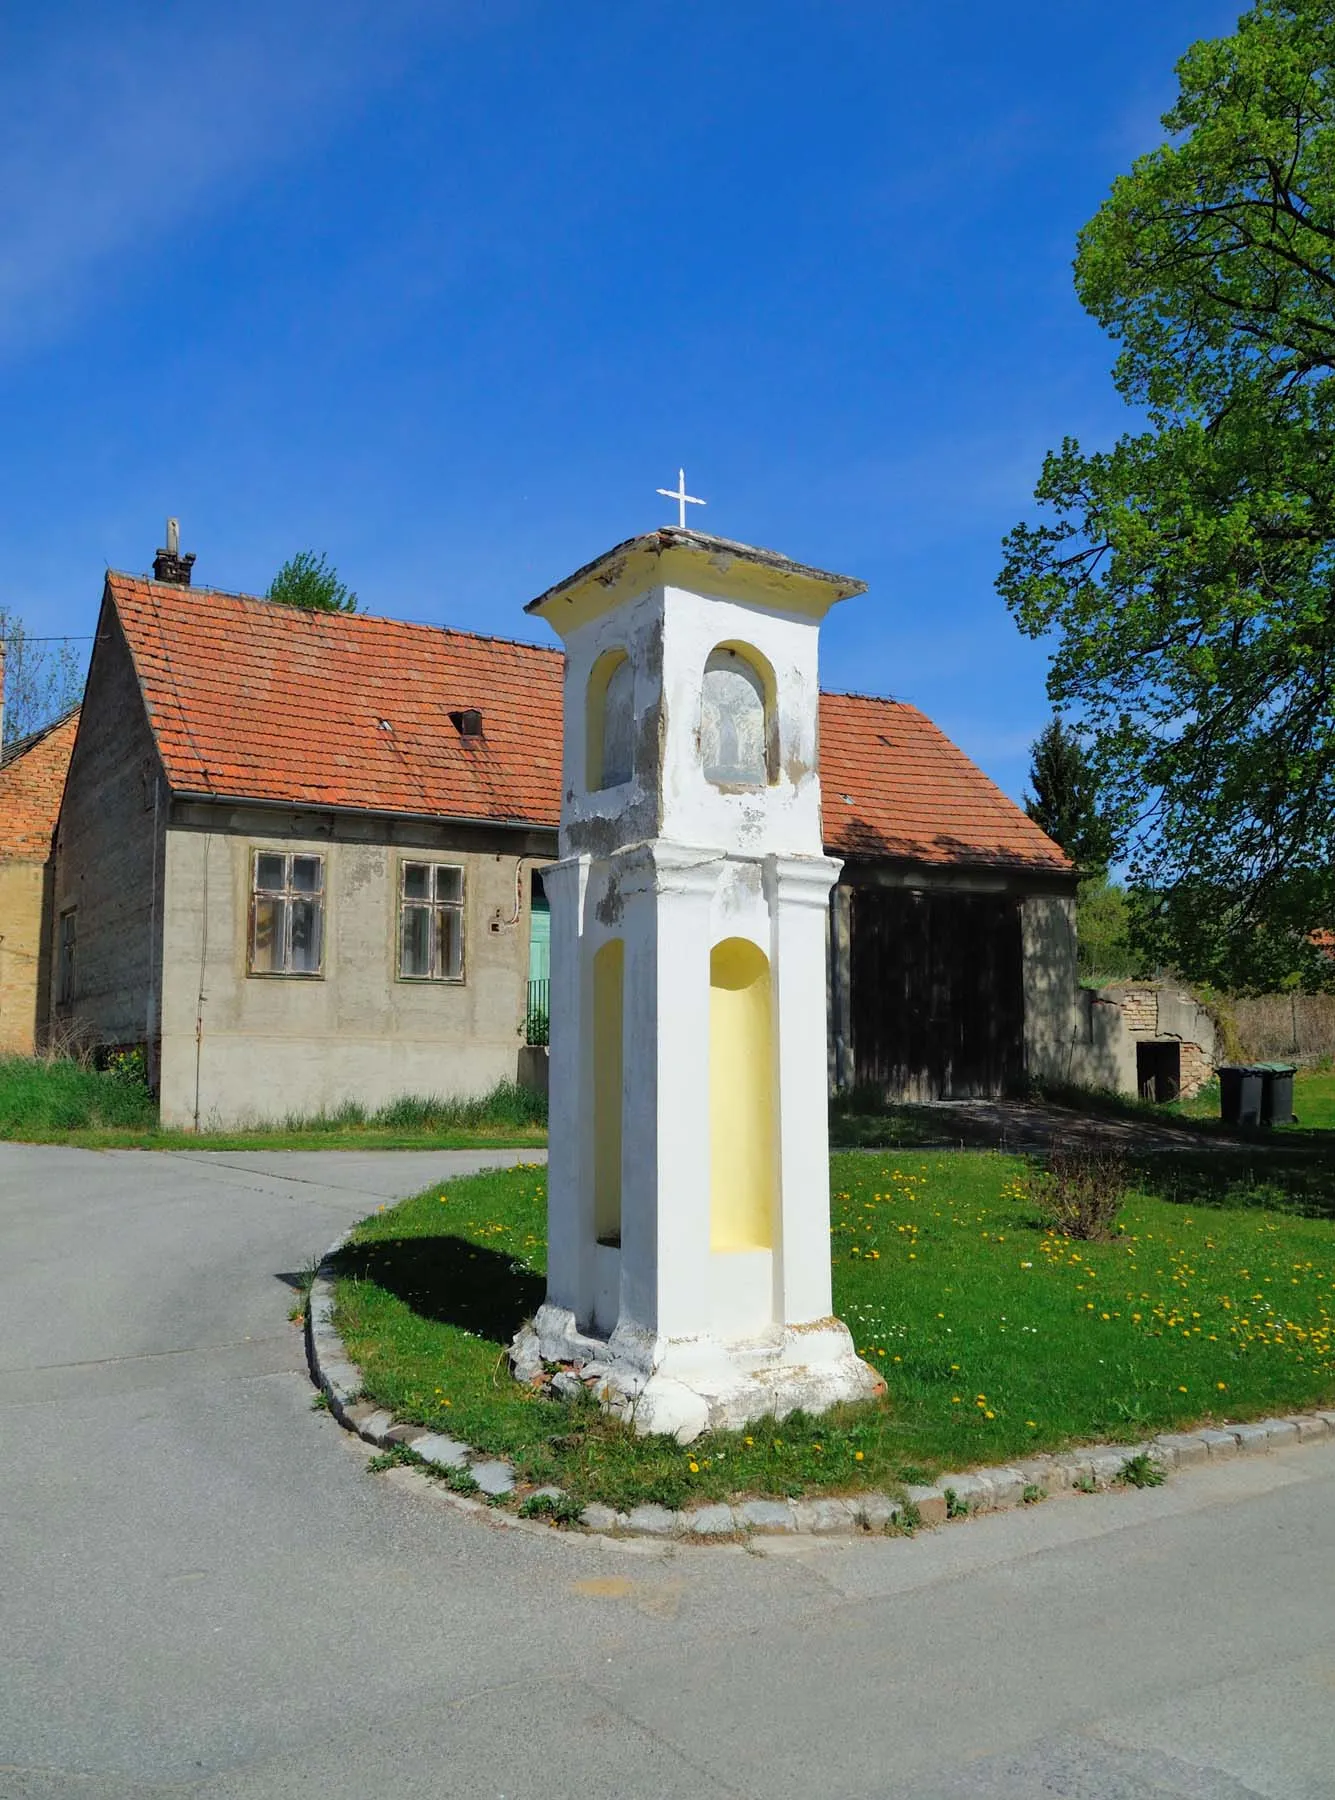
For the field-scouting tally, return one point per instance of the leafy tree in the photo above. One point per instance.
(1103, 931)
(1188, 574)
(310, 582)
(42, 682)
(1064, 802)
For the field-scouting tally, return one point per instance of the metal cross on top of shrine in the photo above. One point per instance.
(682, 498)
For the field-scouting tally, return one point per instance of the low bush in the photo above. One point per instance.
(1080, 1193)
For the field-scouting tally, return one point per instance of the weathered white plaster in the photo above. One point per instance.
(687, 1335)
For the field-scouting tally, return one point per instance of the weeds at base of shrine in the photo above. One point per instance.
(1141, 1471)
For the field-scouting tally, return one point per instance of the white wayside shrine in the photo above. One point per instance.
(689, 1200)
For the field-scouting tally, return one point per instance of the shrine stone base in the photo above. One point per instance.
(684, 1386)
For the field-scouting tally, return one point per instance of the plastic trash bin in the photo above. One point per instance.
(1240, 1086)
(1277, 1093)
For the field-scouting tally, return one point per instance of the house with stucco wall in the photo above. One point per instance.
(32, 779)
(299, 860)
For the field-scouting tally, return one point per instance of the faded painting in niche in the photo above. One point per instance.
(733, 727)
(618, 724)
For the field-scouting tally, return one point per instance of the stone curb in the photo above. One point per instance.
(1094, 1468)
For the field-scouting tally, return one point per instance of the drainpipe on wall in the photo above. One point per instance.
(498, 920)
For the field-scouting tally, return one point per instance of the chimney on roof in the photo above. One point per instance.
(169, 564)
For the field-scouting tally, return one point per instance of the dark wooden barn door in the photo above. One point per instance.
(937, 993)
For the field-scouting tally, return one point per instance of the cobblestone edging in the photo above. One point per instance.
(951, 1497)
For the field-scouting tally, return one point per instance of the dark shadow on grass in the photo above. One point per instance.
(449, 1280)
(1301, 1183)
(862, 1120)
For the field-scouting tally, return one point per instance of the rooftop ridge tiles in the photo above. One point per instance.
(19, 747)
(873, 699)
(280, 614)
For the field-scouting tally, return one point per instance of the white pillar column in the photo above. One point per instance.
(798, 891)
(570, 1096)
(665, 893)
(639, 1114)
(685, 881)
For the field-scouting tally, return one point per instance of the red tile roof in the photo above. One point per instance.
(32, 780)
(266, 702)
(894, 785)
(257, 701)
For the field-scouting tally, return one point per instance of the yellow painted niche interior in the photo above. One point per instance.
(609, 990)
(607, 723)
(741, 1098)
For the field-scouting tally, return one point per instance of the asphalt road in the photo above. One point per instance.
(204, 1594)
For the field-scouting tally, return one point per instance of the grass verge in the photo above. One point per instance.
(42, 1099)
(1313, 1103)
(60, 1101)
(996, 1337)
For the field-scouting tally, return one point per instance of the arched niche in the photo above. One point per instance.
(742, 1109)
(738, 739)
(609, 721)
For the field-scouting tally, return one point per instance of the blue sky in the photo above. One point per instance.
(447, 290)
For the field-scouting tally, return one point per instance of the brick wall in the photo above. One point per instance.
(1154, 1011)
(23, 901)
(1140, 1009)
(1197, 1070)
(31, 782)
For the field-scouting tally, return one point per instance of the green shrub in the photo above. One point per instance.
(40, 1095)
(1080, 1193)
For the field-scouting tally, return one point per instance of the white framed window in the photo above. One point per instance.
(431, 921)
(286, 913)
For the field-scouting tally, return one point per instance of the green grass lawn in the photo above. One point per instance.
(1314, 1099)
(65, 1102)
(1313, 1102)
(996, 1338)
